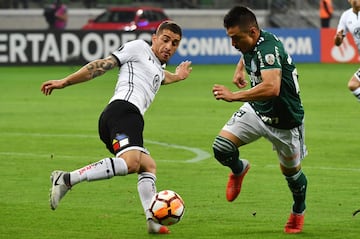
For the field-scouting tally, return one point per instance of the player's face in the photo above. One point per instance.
(242, 40)
(165, 44)
(355, 4)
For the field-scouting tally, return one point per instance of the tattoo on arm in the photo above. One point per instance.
(99, 67)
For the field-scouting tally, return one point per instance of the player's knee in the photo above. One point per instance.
(353, 83)
(133, 164)
(289, 165)
(225, 151)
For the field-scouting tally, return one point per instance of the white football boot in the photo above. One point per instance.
(59, 188)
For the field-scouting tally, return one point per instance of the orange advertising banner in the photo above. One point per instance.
(346, 52)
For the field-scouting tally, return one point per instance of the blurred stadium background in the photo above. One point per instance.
(257, 4)
(25, 38)
(276, 13)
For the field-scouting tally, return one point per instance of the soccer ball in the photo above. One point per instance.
(167, 207)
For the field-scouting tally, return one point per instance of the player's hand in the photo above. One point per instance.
(48, 86)
(183, 70)
(239, 79)
(222, 93)
(339, 37)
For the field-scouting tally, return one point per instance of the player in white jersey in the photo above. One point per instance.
(121, 123)
(350, 22)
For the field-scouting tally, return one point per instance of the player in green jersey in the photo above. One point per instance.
(272, 109)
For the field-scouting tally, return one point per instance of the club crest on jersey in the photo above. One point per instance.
(120, 141)
(270, 59)
(357, 33)
(156, 83)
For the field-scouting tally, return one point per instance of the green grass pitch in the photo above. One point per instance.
(39, 134)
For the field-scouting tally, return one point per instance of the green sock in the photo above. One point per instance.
(298, 184)
(236, 166)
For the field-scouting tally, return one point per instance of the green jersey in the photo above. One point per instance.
(284, 111)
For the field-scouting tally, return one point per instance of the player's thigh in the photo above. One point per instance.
(245, 125)
(121, 126)
(289, 144)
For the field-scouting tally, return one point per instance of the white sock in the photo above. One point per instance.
(357, 93)
(103, 169)
(146, 190)
(153, 227)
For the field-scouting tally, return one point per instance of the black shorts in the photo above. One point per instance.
(121, 125)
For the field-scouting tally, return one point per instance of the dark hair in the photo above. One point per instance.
(169, 25)
(240, 16)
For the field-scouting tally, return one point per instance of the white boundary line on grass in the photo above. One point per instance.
(200, 154)
(321, 168)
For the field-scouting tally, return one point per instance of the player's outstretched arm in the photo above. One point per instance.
(267, 89)
(182, 71)
(89, 71)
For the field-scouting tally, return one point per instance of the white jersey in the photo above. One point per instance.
(350, 22)
(140, 75)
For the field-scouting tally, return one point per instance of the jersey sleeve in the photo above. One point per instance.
(342, 24)
(129, 51)
(269, 55)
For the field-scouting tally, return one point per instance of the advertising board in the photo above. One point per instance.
(201, 46)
